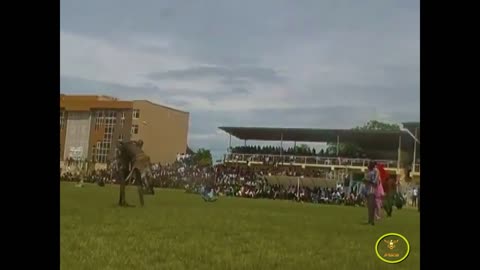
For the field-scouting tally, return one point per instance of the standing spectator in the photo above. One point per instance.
(371, 186)
(414, 197)
(390, 190)
(418, 199)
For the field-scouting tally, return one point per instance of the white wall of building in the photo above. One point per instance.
(77, 135)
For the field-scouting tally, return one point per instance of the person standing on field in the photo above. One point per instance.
(390, 191)
(418, 204)
(370, 181)
(379, 192)
(414, 197)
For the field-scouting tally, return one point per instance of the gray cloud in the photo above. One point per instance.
(333, 63)
(240, 90)
(232, 32)
(235, 81)
(227, 75)
(73, 85)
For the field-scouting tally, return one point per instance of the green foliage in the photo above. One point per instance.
(348, 149)
(344, 149)
(203, 157)
(303, 148)
(377, 125)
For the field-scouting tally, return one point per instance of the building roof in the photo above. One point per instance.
(381, 140)
(89, 102)
(412, 126)
(412, 123)
(87, 97)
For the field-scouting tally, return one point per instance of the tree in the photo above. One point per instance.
(302, 149)
(203, 157)
(345, 149)
(348, 149)
(376, 125)
(190, 151)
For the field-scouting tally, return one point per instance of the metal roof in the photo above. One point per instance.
(381, 140)
(413, 127)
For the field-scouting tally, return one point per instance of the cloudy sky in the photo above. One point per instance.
(276, 63)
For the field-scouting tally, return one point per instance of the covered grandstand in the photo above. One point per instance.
(381, 140)
(402, 142)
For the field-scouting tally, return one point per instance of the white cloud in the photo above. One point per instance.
(96, 59)
(332, 64)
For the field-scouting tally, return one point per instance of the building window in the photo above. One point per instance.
(106, 120)
(134, 129)
(99, 119)
(120, 137)
(122, 119)
(136, 114)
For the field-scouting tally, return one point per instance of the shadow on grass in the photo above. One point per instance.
(116, 205)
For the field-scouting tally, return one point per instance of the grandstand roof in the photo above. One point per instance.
(381, 140)
(412, 126)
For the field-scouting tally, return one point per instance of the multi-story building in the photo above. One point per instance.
(164, 130)
(90, 127)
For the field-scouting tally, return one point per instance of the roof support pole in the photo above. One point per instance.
(294, 147)
(399, 151)
(230, 142)
(414, 151)
(338, 144)
(245, 143)
(298, 188)
(281, 147)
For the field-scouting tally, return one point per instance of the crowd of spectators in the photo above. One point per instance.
(97, 176)
(236, 181)
(174, 175)
(293, 151)
(275, 150)
(246, 182)
(240, 181)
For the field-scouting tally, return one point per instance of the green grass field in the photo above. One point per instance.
(176, 230)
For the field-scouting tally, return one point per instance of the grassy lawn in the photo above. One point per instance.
(179, 231)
